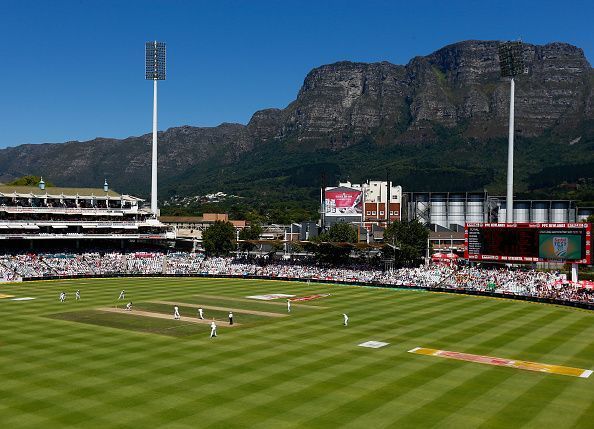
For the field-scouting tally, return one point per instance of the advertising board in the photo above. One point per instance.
(343, 202)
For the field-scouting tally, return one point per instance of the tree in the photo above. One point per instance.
(590, 219)
(342, 233)
(333, 244)
(409, 241)
(251, 233)
(218, 238)
(29, 180)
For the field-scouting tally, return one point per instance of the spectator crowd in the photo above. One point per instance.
(530, 283)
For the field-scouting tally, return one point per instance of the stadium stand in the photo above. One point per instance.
(502, 281)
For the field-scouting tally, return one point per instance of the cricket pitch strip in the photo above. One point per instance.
(166, 316)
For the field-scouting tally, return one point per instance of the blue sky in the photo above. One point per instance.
(74, 70)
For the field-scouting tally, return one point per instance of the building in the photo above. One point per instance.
(381, 203)
(537, 211)
(192, 227)
(372, 203)
(450, 211)
(35, 217)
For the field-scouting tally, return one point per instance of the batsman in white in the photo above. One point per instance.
(122, 295)
(176, 315)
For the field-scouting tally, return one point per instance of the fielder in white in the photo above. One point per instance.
(62, 296)
(288, 305)
(176, 315)
(213, 329)
(77, 294)
(346, 319)
(200, 314)
(129, 306)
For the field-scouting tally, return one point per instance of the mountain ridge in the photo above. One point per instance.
(453, 96)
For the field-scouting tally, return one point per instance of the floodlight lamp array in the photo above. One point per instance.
(155, 60)
(511, 59)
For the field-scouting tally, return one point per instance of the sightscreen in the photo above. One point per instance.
(529, 242)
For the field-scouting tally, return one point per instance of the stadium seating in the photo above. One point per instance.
(528, 283)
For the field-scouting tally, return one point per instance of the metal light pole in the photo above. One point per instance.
(511, 62)
(509, 214)
(155, 70)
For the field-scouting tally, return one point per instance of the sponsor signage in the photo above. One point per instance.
(310, 297)
(343, 202)
(270, 297)
(510, 363)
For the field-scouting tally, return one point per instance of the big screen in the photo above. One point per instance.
(532, 242)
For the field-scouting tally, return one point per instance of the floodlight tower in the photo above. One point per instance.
(155, 71)
(511, 61)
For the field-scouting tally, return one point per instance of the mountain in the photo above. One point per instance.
(436, 123)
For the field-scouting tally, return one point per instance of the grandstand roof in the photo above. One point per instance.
(181, 219)
(57, 192)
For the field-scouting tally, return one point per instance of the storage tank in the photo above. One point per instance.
(521, 211)
(583, 213)
(560, 212)
(540, 211)
(439, 210)
(456, 208)
(501, 213)
(475, 208)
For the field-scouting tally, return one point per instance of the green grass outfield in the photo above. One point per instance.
(70, 365)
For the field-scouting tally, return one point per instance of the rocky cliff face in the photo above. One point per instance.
(457, 85)
(126, 163)
(339, 105)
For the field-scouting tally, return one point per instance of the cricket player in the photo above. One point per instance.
(213, 329)
(122, 295)
(176, 315)
(230, 318)
(346, 319)
(200, 314)
(62, 296)
(129, 306)
(77, 294)
(288, 305)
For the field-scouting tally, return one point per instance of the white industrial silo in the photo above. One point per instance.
(475, 208)
(540, 211)
(439, 210)
(456, 206)
(521, 211)
(583, 213)
(560, 212)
